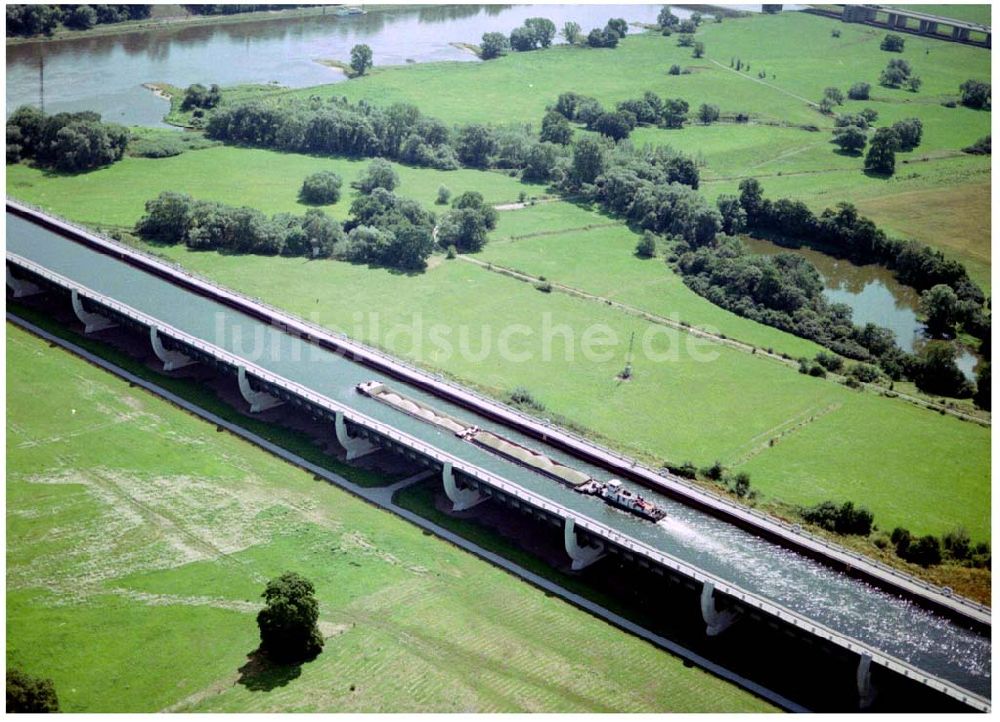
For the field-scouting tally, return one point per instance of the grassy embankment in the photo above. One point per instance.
(138, 541)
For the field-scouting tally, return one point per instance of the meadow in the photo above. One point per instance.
(691, 401)
(139, 540)
(801, 57)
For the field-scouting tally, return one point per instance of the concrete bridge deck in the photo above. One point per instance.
(744, 569)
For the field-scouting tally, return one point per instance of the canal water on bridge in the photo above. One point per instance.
(847, 606)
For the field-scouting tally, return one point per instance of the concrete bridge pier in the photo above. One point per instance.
(19, 287)
(172, 360)
(866, 690)
(354, 446)
(461, 499)
(716, 622)
(582, 555)
(258, 400)
(92, 322)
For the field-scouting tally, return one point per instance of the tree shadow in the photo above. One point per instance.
(261, 674)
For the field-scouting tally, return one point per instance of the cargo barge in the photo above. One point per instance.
(613, 492)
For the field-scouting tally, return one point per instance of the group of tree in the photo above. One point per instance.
(31, 20)
(399, 132)
(198, 96)
(617, 124)
(844, 233)
(465, 227)
(609, 35)
(899, 73)
(227, 9)
(68, 142)
(535, 33)
(903, 135)
(929, 551)
(173, 218)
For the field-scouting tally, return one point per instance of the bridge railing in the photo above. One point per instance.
(655, 475)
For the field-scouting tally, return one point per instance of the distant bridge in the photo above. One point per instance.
(910, 21)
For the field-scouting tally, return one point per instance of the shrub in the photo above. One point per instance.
(378, 174)
(957, 544)
(715, 471)
(27, 694)
(687, 470)
(864, 373)
(829, 361)
(975, 94)
(520, 396)
(646, 247)
(843, 519)
(443, 195)
(859, 91)
(544, 286)
(983, 146)
(321, 188)
(817, 371)
(892, 43)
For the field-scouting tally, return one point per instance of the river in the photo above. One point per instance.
(106, 73)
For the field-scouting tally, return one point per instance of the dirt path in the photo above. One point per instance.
(769, 85)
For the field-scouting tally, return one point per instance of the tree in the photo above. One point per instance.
(892, 43)
(288, 622)
(80, 17)
(982, 396)
(598, 38)
(556, 129)
(699, 50)
(909, 132)
(936, 372)
(881, 157)
(685, 40)
(361, 59)
(378, 174)
(616, 126)
(27, 694)
(836, 95)
(646, 247)
(675, 112)
(168, 218)
(913, 83)
(859, 91)
(493, 45)
(940, 305)
(618, 26)
(543, 29)
(896, 73)
(522, 39)
(851, 138)
(752, 200)
(571, 32)
(475, 144)
(443, 196)
(666, 19)
(975, 94)
(588, 162)
(708, 113)
(321, 188)
(467, 225)
(734, 217)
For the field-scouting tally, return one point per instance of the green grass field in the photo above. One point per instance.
(517, 88)
(677, 410)
(139, 539)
